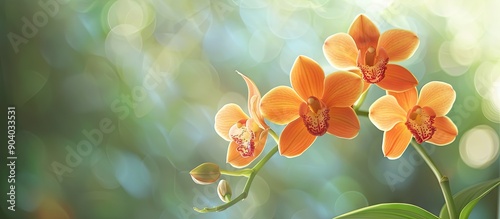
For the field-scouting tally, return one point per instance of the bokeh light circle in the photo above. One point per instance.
(289, 24)
(490, 110)
(448, 62)
(264, 46)
(444, 8)
(251, 3)
(350, 201)
(233, 97)
(298, 4)
(487, 80)
(466, 34)
(130, 13)
(258, 196)
(335, 10)
(123, 48)
(479, 147)
(132, 174)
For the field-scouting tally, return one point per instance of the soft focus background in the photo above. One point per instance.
(115, 104)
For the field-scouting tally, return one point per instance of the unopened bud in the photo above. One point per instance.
(205, 173)
(224, 191)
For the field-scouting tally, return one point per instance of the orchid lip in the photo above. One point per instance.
(420, 123)
(315, 116)
(373, 65)
(243, 133)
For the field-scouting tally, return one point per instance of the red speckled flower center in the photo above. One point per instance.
(373, 67)
(244, 137)
(315, 116)
(419, 122)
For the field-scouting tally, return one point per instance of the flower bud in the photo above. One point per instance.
(224, 191)
(205, 173)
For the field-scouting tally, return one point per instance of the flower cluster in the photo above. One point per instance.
(316, 104)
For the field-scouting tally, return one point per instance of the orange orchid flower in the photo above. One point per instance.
(247, 135)
(401, 115)
(316, 105)
(366, 52)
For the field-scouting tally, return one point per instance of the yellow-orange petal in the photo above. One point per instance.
(342, 89)
(398, 44)
(437, 95)
(386, 112)
(356, 71)
(343, 122)
(281, 105)
(255, 112)
(396, 141)
(446, 131)
(295, 139)
(307, 77)
(364, 32)
(227, 116)
(407, 99)
(398, 79)
(236, 160)
(263, 137)
(252, 88)
(340, 50)
(253, 101)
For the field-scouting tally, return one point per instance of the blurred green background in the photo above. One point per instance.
(115, 104)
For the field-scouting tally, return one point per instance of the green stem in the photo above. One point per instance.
(244, 172)
(361, 99)
(362, 113)
(250, 173)
(275, 136)
(246, 189)
(444, 183)
(264, 160)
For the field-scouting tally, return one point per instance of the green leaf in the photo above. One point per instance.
(388, 211)
(466, 199)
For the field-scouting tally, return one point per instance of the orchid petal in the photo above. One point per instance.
(295, 139)
(437, 95)
(281, 105)
(307, 78)
(396, 141)
(342, 89)
(446, 131)
(398, 79)
(386, 112)
(343, 122)
(227, 116)
(364, 32)
(340, 50)
(399, 44)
